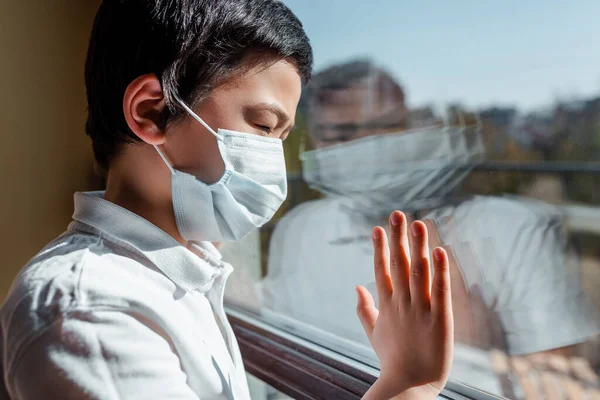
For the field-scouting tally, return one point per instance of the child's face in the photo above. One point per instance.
(261, 101)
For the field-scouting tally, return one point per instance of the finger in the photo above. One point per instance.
(366, 310)
(441, 298)
(420, 275)
(399, 255)
(382, 265)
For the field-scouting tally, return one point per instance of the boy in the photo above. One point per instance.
(188, 102)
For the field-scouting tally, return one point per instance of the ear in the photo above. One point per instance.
(143, 105)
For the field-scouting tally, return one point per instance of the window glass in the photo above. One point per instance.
(482, 118)
(259, 390)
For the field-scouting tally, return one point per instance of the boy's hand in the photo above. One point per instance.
(412, 332)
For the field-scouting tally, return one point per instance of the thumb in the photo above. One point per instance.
(366, 310)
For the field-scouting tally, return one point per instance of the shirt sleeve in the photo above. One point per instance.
(540, 301)
(98, 355)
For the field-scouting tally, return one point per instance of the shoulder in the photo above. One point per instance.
(506, 212)
(75, 272)
(508, 232)
(517, 207)
(48, 284)
(43, 290)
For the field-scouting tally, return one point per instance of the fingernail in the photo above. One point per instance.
(375, 234)
(416, 230)
(396, 218)
(437, 254)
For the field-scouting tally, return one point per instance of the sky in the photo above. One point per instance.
(480, 53)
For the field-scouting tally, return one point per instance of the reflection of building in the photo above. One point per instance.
(533, 131)
(497, 123)
(578, 123)
(499, 116)
(422, 117)
(568, 131)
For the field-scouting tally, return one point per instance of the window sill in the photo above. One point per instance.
(304, 370)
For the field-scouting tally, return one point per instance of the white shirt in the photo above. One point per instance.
(115, 308)
(322, 249)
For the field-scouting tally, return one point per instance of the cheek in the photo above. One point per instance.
(195, 151)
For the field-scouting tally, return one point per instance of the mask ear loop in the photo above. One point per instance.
(462, 126)
(446, 129)
(196, 117)
(461, 119)
(475, 129)
(445, 118)
(160, 153)
(479, 135)
(478, 123)
(193, 114)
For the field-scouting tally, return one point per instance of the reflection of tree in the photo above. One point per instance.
(578, 128)
(569, 132)
(496, 129)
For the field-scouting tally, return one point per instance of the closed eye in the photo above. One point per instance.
(264, 128)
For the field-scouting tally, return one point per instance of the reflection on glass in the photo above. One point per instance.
(259, 390)
(525, 264)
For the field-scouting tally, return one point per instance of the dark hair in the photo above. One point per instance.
(190, 45)
(377, 82)
(356, 72)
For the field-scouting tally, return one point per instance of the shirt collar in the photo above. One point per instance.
(194, 267)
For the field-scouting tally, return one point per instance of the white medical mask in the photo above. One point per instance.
(250, 191)
(411, 170)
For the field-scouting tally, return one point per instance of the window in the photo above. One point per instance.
(484, 119)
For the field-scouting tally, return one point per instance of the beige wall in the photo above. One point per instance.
(45, 155)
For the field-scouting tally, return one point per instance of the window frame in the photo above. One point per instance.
(304, 370)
